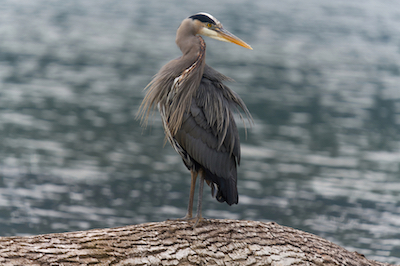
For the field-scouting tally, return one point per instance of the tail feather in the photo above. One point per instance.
(227, 191)
(222, 189)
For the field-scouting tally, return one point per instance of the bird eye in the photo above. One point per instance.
(209, 25)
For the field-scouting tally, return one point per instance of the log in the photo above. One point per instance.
(212, 242)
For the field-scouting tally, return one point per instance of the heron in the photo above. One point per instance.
(197, 109)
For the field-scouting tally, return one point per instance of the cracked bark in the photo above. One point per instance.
(213, 242)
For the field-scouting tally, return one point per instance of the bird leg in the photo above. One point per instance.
(199, 201)
(188, 215)
(193, 174)
(198, 218)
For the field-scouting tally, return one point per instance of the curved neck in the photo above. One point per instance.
(193, 50)
(187, 40)
(190, 46)
(193, 59)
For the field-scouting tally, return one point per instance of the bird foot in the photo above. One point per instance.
(186, 218)
(196, 219)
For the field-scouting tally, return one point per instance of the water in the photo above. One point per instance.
(322, 84)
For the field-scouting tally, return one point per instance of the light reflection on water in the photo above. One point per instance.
(323, 155)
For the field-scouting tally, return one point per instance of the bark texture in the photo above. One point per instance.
(213, 242)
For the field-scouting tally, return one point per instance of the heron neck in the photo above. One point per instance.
(190, 46)
(193, 54)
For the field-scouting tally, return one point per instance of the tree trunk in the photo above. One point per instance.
(212, 242)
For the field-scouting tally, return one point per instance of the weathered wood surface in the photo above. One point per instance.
(213, 242)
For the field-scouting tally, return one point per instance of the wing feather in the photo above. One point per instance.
(209, 135)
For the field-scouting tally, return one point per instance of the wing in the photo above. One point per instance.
(209, 134)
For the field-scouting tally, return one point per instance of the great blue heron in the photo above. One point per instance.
(196, 110)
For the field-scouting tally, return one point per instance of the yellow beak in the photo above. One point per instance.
(229, 37)
(223, 35)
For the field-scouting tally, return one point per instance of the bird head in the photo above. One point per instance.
(209, 26)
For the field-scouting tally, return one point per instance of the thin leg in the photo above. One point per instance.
(199, 202)
(188, 215)
(191, 195)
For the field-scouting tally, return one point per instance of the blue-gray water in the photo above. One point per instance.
(322, 84)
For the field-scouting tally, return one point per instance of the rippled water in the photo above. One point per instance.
(322, 84)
